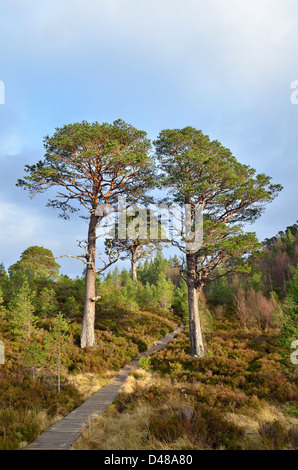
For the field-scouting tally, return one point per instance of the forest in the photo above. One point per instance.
(229, 380)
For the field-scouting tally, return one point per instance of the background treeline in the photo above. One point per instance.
(32, 288)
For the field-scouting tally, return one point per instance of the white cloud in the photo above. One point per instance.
(21, 227)
(202, 44)
(20, 224)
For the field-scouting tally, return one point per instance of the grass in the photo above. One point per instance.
(242, 395)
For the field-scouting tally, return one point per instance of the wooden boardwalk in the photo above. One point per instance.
(62, 435)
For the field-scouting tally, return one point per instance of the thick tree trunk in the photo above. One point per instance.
(134, 266)
(87, 333)
(196, 340)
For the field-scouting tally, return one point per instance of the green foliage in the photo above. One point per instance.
(255, 280)
(47, 302)
(180, 304)
(164, 292)
(34, 357)
(122, 153)
(144, 362)
(289, 331)
(220, 292)
(119, 292)
(206, 317)
(56, 344)
(151, 270)
(71, 307)
(138, 244)
(36, 261)
(281, 253)
(21, 318)
(2, 308)
(199, 171)
(3, 278)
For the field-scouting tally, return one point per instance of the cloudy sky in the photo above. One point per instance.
(222, 66)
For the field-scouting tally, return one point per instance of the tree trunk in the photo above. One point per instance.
(196, 340)
(87, 332)
(134, 265)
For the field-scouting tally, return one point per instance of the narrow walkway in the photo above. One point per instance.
(62, 435)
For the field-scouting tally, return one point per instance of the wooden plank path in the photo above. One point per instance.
(62, 435)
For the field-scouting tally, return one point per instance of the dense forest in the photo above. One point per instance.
(241, 395)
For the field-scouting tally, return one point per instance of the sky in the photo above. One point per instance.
(222, 66)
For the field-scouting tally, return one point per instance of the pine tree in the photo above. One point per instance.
(165, 291)
(71, 307)
(89, 165)
(56, 343)
(21, 309)
(181, 301)
(204, 175)
(47, 302)
(34, 357)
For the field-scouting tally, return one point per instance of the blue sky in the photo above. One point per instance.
(222, 66)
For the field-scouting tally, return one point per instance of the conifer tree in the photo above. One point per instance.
(56, 343)
(91, 165)
(21, 312)
(203, 175)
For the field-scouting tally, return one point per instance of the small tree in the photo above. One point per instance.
(34, 357)
(164, 292)
(21, 312)
(203, 174)
(138, 244)
(181, 301)
(254, 307)
(242, 310)
(56, 344)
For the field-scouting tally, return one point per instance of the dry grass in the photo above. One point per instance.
(116, 431)
(239, 397)
(88, 383)
(129, 429)
(126, 424)
(139, 379)
(43, 420)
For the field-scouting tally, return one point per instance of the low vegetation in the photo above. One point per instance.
(241, 395)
